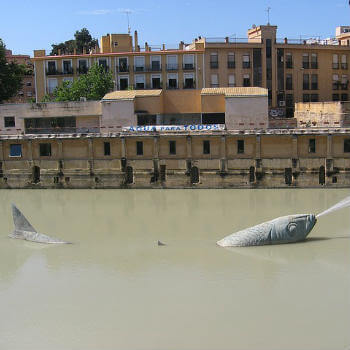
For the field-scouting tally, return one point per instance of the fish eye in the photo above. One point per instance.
(292, 228)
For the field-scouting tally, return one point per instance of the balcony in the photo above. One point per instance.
(289, 64)
(314, 65)
(246, 65)
(189, 84)
(335, 65)
(83, 70)
(231, 64)
(214, 65)
(139, 69)
(52, 71)
(172, 66)
(188, 66)
(344, 86)
(306, 65)
(344, 66)
(314, 86)
(289, 86)
(336, 85)
(306, 86)
(172, 86)
(68, 71)
(155, 67)
(122, 69)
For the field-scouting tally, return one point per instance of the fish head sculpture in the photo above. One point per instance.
(292, 228)
(285, 229)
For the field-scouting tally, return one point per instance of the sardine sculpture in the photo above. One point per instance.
(285, 229)
(24, 230)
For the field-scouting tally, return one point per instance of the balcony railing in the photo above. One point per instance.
(52, 72)
(314, 65)
(314, 86)
(172, 87)
(154, 68)
(306, 65)
(344, 86)
(336, 85)
(289, 86)
(122, 69)
(289, 64)
(147, 86)
(231, 85)
(83, 70)
(214, 85)
(188, 66)
(245, 64)
(139, 68)
(344, 66)
(231, 64)
(68, 71)
(189, 85)
(172, 66)
(335, 65)
(62, 130)
(306, 86)
(214, 65)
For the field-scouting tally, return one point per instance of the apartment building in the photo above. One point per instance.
(293, 70)
(27, 92)
(133, 68)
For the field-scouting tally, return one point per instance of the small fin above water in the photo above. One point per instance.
(161, 243)
(20, 222)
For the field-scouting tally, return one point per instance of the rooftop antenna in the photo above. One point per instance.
(268, 15)
(128, 12)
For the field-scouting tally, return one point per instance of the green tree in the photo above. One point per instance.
(11, 75)
(93, 86)
(82, 39)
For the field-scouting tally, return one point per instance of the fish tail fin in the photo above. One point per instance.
(20, 222)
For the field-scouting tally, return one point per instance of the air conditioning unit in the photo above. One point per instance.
(282, 103)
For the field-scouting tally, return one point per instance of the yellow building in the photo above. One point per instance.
(310, 70)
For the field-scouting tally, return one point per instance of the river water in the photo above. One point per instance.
(114, 288)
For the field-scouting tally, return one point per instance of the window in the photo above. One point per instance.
(289, 60)
(335, 64)
(67, 67)
(246, 61)
(314, 63)
(172, 147)
(69, 80)
(123, 65)
(16, 150)
(123, 82)
(171, 62)
(289, 82)
(139, 62)
(188, 62)
(155, 64)
(107, 148)
(312, 146)
(306, 82)
(347, 146)
(344, 97)
(335, 97)
(231, 60)
(103, 62)
(314, 81)
(9, 122)
(246, 80)
(115, 44)
(306, 98)
(240, 146)
(336, 83)
(306, 63)
(52, 85)
(231, 80)
(344, 60)
(29, 94)
(214, 60)
(289, 100)
(206, 147)
(344, 82)
(214, 80)
(51, 67)
(172, 81)
(188, 81)
(139, 81)
(45, 149)
(156, 81)
(28, 83)
(82, 67)
(314, 98)
(139, 148)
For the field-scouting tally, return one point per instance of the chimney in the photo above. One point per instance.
(227, 40)
(163, 47)
(136, 40)
(59, 52)
(286, 40)
(146, 47)
(181, 45)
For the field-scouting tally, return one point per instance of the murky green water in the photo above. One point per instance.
(114, 288)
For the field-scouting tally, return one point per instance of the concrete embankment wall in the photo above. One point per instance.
(268, 160)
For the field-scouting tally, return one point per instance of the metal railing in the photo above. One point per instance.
(172, 66)
(122, 69)
(188, 66)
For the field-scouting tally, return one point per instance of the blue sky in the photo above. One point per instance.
(36, 24)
